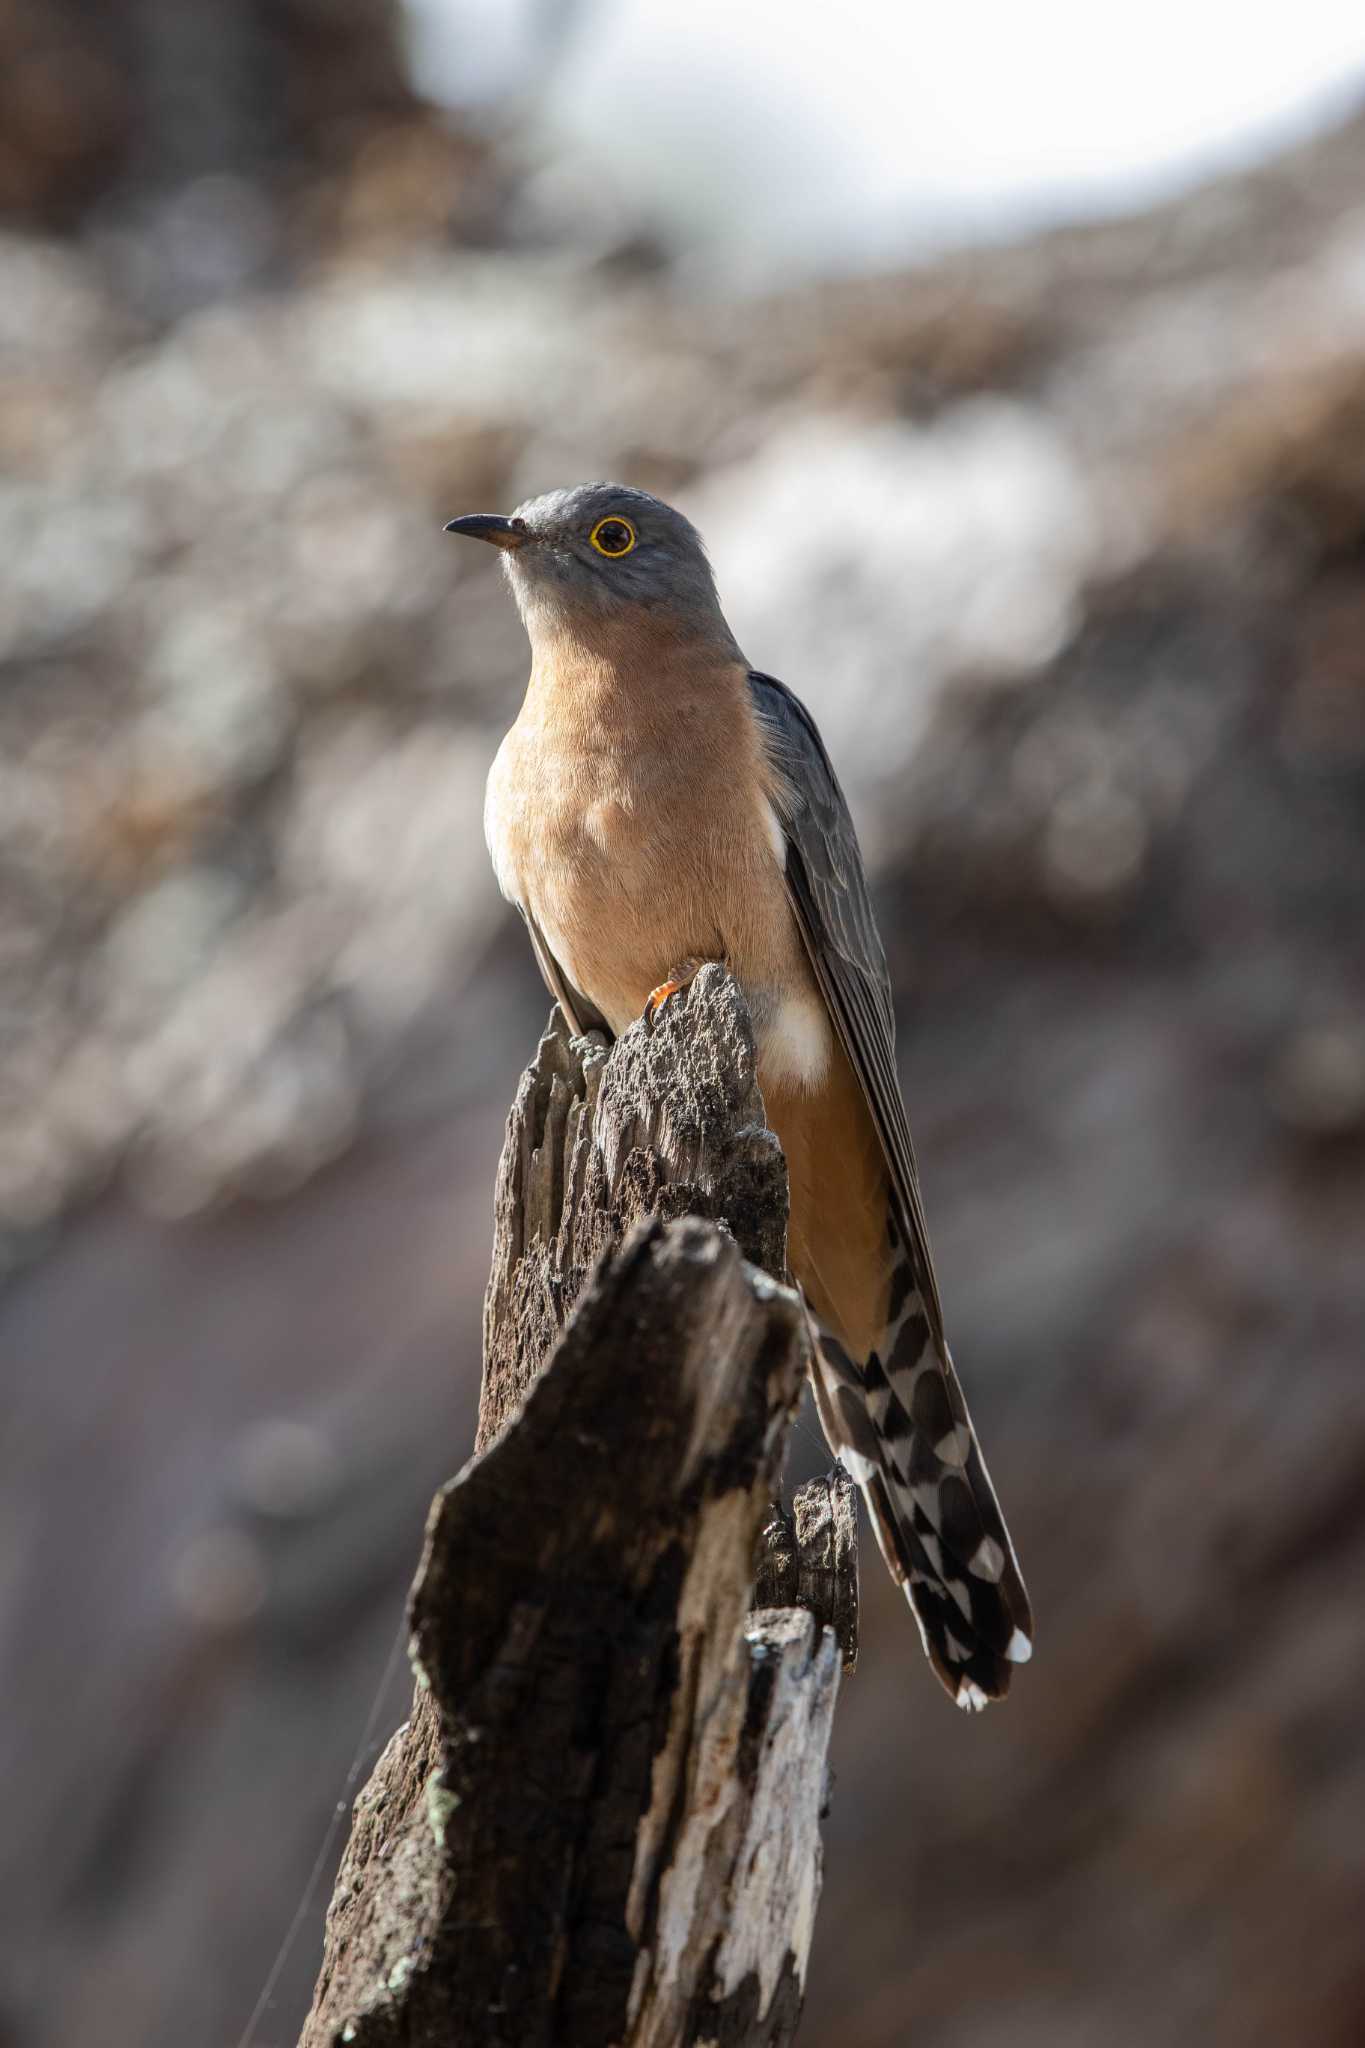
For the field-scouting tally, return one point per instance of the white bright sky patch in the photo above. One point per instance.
(821, 134)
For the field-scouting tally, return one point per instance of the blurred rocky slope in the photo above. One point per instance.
(249, 690)
(1065, 545)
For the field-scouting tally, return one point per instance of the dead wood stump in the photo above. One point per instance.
(601, 1823)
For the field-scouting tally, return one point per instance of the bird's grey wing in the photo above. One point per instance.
(933, 1507)
(580, 1014)
(827, 887)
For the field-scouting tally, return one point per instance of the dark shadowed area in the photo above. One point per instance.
(1064, 544)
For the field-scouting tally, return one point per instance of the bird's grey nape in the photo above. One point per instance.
(562, 581)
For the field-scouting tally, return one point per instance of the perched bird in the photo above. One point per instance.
(658, 803)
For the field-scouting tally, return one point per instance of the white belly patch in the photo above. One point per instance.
(794, 1041)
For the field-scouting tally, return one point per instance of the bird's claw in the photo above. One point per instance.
(658, 997)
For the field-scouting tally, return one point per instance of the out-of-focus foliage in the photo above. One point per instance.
(1064, 544)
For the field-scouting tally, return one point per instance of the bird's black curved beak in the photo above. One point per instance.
(491, 526)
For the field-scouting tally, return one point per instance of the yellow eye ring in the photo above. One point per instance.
(613, 537)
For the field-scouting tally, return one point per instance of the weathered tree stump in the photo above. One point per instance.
(601, 1823)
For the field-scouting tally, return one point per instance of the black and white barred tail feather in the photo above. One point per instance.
(897, 1418)
(902, 1429)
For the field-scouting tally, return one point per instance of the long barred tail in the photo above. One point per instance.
(901, 1427)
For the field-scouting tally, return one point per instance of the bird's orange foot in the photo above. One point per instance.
(659, 996)
(684, 978)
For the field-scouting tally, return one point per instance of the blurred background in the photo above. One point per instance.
(1015, 371)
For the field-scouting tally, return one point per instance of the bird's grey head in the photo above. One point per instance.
(580, 558)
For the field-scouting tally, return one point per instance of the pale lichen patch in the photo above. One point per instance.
(441, 1804)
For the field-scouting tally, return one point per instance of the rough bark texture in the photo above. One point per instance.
(810, 1558)
(668, 1123)
(601, 1823)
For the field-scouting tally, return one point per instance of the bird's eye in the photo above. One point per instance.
(613, 537)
